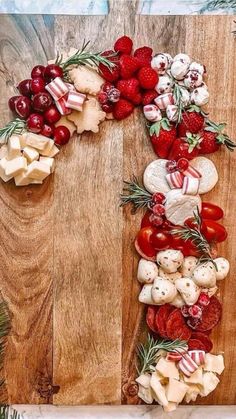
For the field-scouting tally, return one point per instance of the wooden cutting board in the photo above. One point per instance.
(68, 266)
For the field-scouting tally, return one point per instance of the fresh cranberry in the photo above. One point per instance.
(38, 71)
(42, 101)
(52, 115)
(24, 87)
(113, 95)
(171, 166)
(12, 102)
(37, 85)
(102, 97)
(182, 164)
(158, 198)
(156, 220)
(184, 311)
(23, 106)
(203, 299)
(106, 107)
(107, 86)
(195, 311)
(158, 209)
(193, 323)
(61, 135)
(48, 130)
(35, 123)
(52, 71)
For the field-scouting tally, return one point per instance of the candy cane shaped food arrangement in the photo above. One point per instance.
(179, 268)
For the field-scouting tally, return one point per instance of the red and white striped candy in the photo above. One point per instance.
(61, 106)
(57, 88)
(187, 365)
(173, 356)
(164, 100)
(175, 179)
(152, 113)
(75, 100)
(190, 185)
(192, 172)
(198, 356)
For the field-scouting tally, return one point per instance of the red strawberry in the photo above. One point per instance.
(128, 66)
(110, 74)
(149, 96)
(123, 45)
(128, 88)
(213, 137)
(162, 135)
(122, 109)
(147, 77)
(192, 121)
(144, 55)
(187, 148)
(208, 142)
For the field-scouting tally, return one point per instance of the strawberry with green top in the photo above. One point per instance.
(187, 148)
(212, 138)
(162, 135)
(193, 120)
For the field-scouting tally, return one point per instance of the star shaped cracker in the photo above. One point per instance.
(89, 118)
(86, 80)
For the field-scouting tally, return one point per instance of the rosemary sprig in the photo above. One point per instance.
(212, 5)
(148, 353)
(178, 94)
(136, 194)
(7, 412)
(16, 126)
(221, 137)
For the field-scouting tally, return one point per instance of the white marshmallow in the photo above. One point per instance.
(179, 70)
(164, 85)
(200, 96)
(152, 113)
(197, 67)
(193, 79)
(160, 63)
(184, 58)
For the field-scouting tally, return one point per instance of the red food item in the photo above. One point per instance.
(109, 74)
(61, 135)
(194, 344)
(160, 240)
(143, 242)
(52, 115)
(144, 55)
(214, 231)
(137, 99)
(23, 106)
(192, 121)
(128, 66)
(162, 317)
(211, 315)
(42, 101)
(37, 85)
(148, 97)
(163, 138)
(195, 311)
(211, 212)
(52, 71)
(48, 130)
(107, 86)
(158, 209)
(128, 88)
(176, 327)
(182, 164)
(123, 45)
(147, 77)
(102, 97)
(122, 109)
(12, 103)
(156, 220)
(171, 166)
(35, 123)
(204, 339)
(150, 318)
(24, 87)
(181, 148)
(209, 142)
(38, 71)
(107, 107)
(149, 219)
(203, 299)
(158, 198)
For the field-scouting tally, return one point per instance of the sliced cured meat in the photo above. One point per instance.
(176, 327)
(162, 317)
(196, 344)
(211, 315)
(204, 339)
(154, 177)
(150, 318)
(208, 171)
(180, 207)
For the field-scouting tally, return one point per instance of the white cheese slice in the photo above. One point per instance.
(170, 407)
(38, 170)
(14, 148)
(3, 151)
(167, 368)
(176, 390)
(48, 160)
(23, 180)
(208, 171)
(144, 380)
(210, 382)
(158, 390)
(30, 153)
(36, 140)
(179, 207)
(214, 363)
(192, 393)
(16, 166)
(3, 163)
(145, 394)
(54, 151)
(48, 149)
(154, 177)
(195, 378)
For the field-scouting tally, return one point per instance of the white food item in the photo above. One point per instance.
(30, 153)
(145, 394)
(192, 393)
(15, 166)
(197, 67)
(170, 407)
(167, 368)
(210, 291)
(222, 268)
(147, 271)
(154, 177)
(152, 113)
(185, 96)
(22, 141)
(188, 266)
(163, 291)
(204, 275)
(170, 277)
(145, 295)
(158, 390)
(195, 377)
(188, 289)
(3, 151)
(14, 147)
(160, 63)
(38, 170)
(164, 85)
(184, 58)
(48, 149)
(172, 112)
(178, 301)
(176, 390)
(214, 363)
(3, 163)
(48, 160)
(210, 382)
(193, 79)
(22, 180)
(36, 140)
(179, 207)
(179, 70)
(190, 185)
(200, 96)
(170, 260)
(144, 380)
(55, 150)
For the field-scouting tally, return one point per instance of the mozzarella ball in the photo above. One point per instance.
(160, 63)
(170, 260)
(145, 295)
(147, 271)
(197, 67)
(222, 268)
(179, 70)
(163, 291)
(184, 58)
(188, 266)
(188, 290)
(171, 277)
(200, 96)
(192, 79)
(164, 85)
(204, 275)
(178, 301)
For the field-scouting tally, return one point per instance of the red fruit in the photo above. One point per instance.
(107, 86)
(144, 55)
(143, 242)
(113, 95)
(48, 130)
(208, 142)
(192, 121)
(24, 87)
(148, 97)
(107, 107)
(123, 45)
(158, 209)
(128, 66)
(203, 299)
(38, 71)
(195, 311)
(52, 115)
(162, 136)
(160, 240)
(41, 101)
(128, 88)
(156, 220)
(23, 106)
(171, 166)
(137, 99)
(35, 123)
(12, 102)
(214, 231)
(147, 77)
(184, 311)
(61, 135)
(184, 148)
(102, 97)
(37, 85)
(110, 74)
(122, 109)
(52, 71)
(182, 164)
(211, 211)
(158, 198)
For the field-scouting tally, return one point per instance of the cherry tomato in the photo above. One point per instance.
(143, 243)
(160, 240)
(214, 231)
(191, 223)
(188, 248)
(211, 211)
(145, 220)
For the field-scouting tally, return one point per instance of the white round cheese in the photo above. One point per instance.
(180, 207)
(208, 171)
(154, 177)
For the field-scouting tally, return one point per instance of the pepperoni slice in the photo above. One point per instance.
(161, 318)
(196, 344)
(204, 339)
(150, 318)
(211, 315)
(176, 327)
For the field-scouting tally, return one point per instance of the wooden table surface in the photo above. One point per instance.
(68, 266)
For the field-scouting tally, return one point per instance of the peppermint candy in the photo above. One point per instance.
(75, 100)
(164, 100)
(57, 88)
(175, 179)
(187, 365)
(61, 105)
(192, 172)
(190, 185)
(172, 112)
(198, 356)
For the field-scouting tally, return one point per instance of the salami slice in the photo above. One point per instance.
(150, 318)
(202, 337)
(162, 317)
(211, 315)
(196, 344)
(176, 327)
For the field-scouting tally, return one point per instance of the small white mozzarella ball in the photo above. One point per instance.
(164, 85)
(200, 96)
(184, 58)
(193, 79)
(222, 268)
(179, 70)
(188, 290)
(163, 291)
(160, 63)
(204, 275)
(152, 113)
(170, 260)
(172, 113)
(178, 301)
(145, 295)
(170, 277)
(188, 266)
(197, 67)
(147, 271)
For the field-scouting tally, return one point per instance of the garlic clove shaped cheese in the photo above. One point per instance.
(188, 290)
(204, 275)
(222, 268)
(188, 266)
(171, 277)
(163, 291)
(145, 295)
(170, 260)
(147, 271)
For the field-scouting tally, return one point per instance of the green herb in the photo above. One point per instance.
(17, 126)
(148, 353)
(7, 412)
(221, 138)
(136, 194)
(212, 5)
(164, 123)
(178, 96)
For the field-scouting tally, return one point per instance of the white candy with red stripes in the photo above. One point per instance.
(152, 113)
(198, 356)
(192, 172)
(190, 185)
(75, 100)
(187, 365)
(164, 100)
(175, 180)
(172, 113)
(61, 106)
(57, 88)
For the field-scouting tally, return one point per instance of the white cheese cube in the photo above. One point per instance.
(16, 166)
(36, 140)
(176, 390)
(38, 170)
(158, 390)
(14, 148)
(48, 149)
(3, 163)
(195, 378)
(214, 363)
(30, 153)
(170, 407)
(192, 393)
(48, 160)
(145, 394)
(144, 380)
(3, 151)
(210, 382)
(54, 151)
(167, 368)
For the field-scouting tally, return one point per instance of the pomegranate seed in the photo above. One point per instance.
(158, 198)
(182, 164)
(158, 209)
(102, 97)
(107, 86)
(156, 220)
(171, 166)
(203, 299)
(184, 311)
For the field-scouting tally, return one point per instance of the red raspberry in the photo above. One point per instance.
(158, 209)
(122, 109)
(158, 198)
(128, 66)
(171, 166)
(147, 77)
(182, 164)
(148, 97)
(129, 89)
(137, 99)
(144, 55)
(110, 74)
(123, 45)
(203, 299)
(195, 312)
